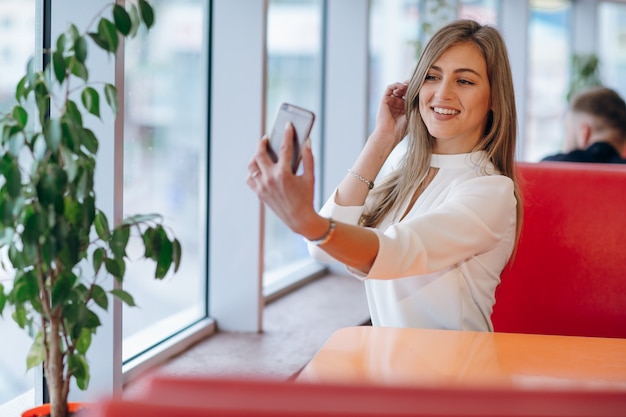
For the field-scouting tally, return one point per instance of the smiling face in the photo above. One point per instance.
(455, 99)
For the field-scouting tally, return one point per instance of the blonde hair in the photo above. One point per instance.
(500, 131)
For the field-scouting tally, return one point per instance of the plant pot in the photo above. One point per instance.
(44, 410)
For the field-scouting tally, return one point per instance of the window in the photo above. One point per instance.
(294, 75)
(612, 45)
(17, 46)
(549, 53)
(165, 165)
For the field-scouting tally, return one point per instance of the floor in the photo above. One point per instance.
(295, 327)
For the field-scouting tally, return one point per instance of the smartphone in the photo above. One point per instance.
(302, 121)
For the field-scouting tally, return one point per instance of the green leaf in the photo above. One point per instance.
(42, 98)
(69, 254)
(100, 297)
(3, 298)
(49, 249)
(135, 20)
(142, 218)
(21, 90)
(58, 64)
(37, 354)
(80, 70)
(73, 32)
(121, 19)
(149, 243)
(70, 136)
(112, 267)
(72, 113)
(91, 100)
(19, 316)
(101, 42)
(147, 14)
(115, 267)
(98, 257)
(11, 171)
(165, 255)
(110, 93)
(119, 241)
(177, 254)
(50, 185)
(25, 288)
(89, 141)
(89, 210)
(61, 43)
(20, 115)
(84, 341)
(124, 297)
(84, 182)
(31, 74)
(62, 288)
(92, 320)
(80, 49)
(108, 32)
(102, 226)
(52, 134)
(77, 365)
(34, 226)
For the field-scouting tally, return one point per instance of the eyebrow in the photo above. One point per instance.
(458, 70)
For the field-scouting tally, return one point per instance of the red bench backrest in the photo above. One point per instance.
(568, 276)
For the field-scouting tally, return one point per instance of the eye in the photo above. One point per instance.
(465, 82)
(430, 77)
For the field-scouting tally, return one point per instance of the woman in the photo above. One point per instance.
(430, 240)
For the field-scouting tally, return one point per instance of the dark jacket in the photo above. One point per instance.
(600, 152)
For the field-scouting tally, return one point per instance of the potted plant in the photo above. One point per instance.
(585, 73)
(57, 243)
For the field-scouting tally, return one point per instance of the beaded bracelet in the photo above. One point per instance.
(358, 176)
(327, 236)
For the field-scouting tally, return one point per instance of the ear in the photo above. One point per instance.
(585, 135)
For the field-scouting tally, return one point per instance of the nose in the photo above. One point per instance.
(445, 89)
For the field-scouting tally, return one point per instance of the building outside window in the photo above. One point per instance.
(294, 75)
(549, 54)
(165, 166)
(612, 45)
(18, 34)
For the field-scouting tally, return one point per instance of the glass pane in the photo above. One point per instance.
(165, 165)
(294, 40)
(17, 45)
(549, 52)
(612, 45)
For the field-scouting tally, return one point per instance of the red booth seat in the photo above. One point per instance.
(568, 275)
(204, 397)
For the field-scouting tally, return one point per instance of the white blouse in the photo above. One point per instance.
(439, 266)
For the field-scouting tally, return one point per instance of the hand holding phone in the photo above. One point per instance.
(302, 121)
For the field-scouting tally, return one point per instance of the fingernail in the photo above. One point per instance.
(307, 143)
(287, 125)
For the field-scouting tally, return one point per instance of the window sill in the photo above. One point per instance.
(295, 326)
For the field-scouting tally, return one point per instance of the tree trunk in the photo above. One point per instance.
(54, 371)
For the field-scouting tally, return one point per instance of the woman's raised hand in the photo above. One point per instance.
(391, 121)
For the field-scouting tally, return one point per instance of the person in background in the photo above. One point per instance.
(595, 128)
(431, 238)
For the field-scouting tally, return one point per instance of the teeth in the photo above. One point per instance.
(445, 111)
